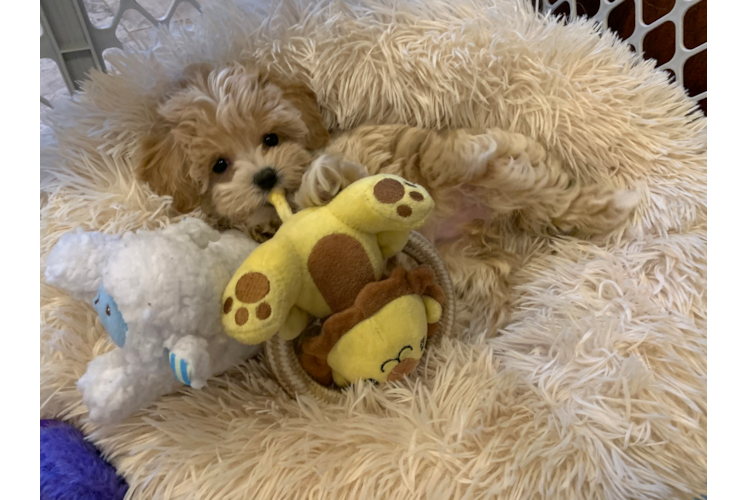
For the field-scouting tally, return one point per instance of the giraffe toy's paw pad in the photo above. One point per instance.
(253, 308)
(397, 200)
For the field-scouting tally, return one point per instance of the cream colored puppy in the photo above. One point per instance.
(223, 136)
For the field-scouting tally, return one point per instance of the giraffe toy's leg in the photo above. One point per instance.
(260, 295)
(391, 242)
(383, 203)
(294, 324)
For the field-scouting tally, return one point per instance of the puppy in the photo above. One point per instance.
(223, 136)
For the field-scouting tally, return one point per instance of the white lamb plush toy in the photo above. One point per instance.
(158, 295)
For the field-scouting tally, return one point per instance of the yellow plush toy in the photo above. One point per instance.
(327, 262)
(381, 337)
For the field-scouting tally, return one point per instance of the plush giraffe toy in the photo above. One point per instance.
(328, 262)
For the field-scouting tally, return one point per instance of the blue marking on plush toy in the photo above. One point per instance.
(110, 317)
(180, 367)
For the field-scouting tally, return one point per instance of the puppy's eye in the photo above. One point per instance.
(108, 311)
(220, 166)
(270, 140)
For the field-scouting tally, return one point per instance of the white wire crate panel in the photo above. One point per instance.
(70, 39)
(65, 20)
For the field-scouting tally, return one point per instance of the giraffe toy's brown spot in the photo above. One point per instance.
(416, 196)
(404, 211)
(263, 311)
(227, 305)
(340, 267)
(241, 317)
(389, 191)
(252, 287)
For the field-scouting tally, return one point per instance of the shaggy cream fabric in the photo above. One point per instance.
(596, 389)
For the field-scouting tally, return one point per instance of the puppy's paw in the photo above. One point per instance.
(598, 210)
(516, 173)
(325, 178)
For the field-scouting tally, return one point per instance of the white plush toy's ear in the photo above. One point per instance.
(77, 261)
(198, 231)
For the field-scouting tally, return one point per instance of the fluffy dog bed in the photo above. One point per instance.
(596, 388)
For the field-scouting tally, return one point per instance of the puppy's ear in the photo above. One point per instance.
(162, 163)
(193, 74)
(162, 160)
(304, 99)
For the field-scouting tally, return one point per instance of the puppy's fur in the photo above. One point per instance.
(484, 182)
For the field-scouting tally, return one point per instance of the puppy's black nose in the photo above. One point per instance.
(266, 178)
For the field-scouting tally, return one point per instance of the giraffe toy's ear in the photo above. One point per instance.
(77, 261)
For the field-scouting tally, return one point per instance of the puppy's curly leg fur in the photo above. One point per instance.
(528, 179)
(512, 173)
(326, 177)
(597, 210)
(506, 172)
